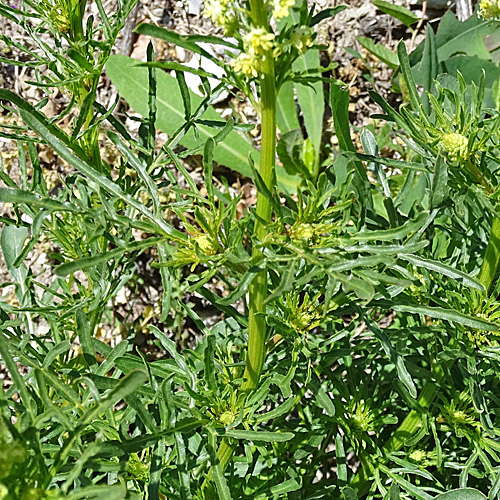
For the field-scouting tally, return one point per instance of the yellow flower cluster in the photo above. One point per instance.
(222, 13)
(489, 9)
(256, 43)
(455, 145)
(247, 64)
(301, 38)
(282, 8)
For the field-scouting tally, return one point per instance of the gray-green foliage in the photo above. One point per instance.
(382, 366)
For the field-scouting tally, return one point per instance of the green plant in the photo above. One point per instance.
(355, 353)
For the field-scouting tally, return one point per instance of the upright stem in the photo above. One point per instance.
(257, 337)
(258, 289)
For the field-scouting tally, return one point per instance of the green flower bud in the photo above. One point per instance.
(455, 145)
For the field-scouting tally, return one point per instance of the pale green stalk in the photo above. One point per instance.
(257, 336)
(257, 333)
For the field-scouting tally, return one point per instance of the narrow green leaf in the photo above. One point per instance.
(142, 411)
(115, 492)
(341, 461)
(440, 187)
(433, 265)
(491, 259)
(326, 13)
(217, 471)
(185, 94)
(38, 123)
(428, 68)
(285, 487)
(340, 110)
(156, 468)
(362, 288)
(139, 167)
(268, 437)
(461, 494)
(146, 440)
(163, 253)
(16, 378)
(62, 389)
(395, 233)
(87, 262)
(83, 329)
(127, 385)
(56, 351)
(395, 357)
(182, 472)
(406, 16)
(448, 315)
(209, 363)
(11, 243)
(152, 112)
(9, 195)
(172, 350)
(408, 76)
(188, 42)
(339, 101)
(285, 284)
(282, 409)
(373, 260)
(208, 167)
(242, 286)
(386, 55)
(416, 492)
(12, 240)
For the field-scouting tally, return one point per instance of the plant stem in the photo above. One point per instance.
(257, 335)
(491, 256)
(479, 177)
(256, 352)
